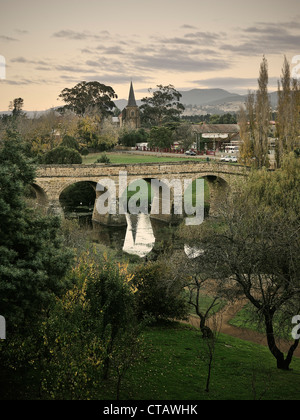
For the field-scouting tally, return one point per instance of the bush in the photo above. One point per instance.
(62, 156)
(158, 294)
(103, 159)
(70, 142)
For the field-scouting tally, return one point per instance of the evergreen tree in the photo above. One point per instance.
(32, 260)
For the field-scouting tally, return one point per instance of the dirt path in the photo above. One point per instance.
(228, 313)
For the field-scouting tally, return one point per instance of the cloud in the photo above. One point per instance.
(84, 35)
(178, 60)
(69, 34)
(24, 60)
(266, 38)
(234, 83)
(21, 32)
(186, 26)
(8, 38)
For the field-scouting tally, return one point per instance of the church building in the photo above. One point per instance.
(130, 116)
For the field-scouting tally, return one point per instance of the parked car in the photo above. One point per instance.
(225, 158)
(190, 153)
(228, 158)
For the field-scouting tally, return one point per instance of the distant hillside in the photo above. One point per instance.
(206, 96)
(196, 101)
(215, 101)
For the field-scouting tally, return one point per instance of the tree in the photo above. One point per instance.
(184, 135)
(89, 96)
(131, 138)
(33, 261)
(288, 121)
(62, 156)
(262, 112)
(70, 142)
(255, 123)
(257, 247)
(16, 107)
(159, 294)
(163, 106)
(247, 130)
(160, 137)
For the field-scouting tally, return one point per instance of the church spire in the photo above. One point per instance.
(131, 99)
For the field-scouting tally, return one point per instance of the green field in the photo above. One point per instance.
(127, 158)
(173, 365)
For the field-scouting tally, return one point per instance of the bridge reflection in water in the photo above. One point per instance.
(140, 236)
(139, 239)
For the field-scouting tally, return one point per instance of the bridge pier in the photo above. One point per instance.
(54, 208)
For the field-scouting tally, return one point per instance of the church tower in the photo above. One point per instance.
(131, 114)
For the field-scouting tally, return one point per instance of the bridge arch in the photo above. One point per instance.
(39, 194)
(76, 195)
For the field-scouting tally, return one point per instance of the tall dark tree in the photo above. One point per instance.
(16, 107)
(32, 260)
(89, 96)
(163, 106)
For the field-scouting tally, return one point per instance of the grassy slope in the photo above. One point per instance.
(120, 158)
(173, 366)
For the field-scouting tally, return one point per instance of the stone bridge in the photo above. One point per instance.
(52, 180)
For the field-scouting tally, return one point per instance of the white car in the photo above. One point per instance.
(228, 159)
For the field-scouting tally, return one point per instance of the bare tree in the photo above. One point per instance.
(257, 246)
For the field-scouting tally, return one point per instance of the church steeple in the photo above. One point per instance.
(131, 99)
(131, 114)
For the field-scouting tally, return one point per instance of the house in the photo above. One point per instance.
(216, 136)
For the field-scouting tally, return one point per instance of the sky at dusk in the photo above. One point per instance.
(49, 46)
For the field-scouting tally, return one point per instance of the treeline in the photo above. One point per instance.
(227, 118)
(254, 120)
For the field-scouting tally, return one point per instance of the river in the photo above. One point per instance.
(140, 237)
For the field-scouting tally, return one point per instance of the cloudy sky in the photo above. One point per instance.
(50, 45)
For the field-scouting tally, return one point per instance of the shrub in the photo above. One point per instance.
(158, 294)
(62, 155)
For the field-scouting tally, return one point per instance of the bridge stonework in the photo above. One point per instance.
(52, 180)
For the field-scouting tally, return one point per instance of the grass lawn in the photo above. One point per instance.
(126, 158)
(173, 366)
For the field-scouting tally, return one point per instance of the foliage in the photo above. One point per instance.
(33, 262)
(89, 96)
(62, 155)
(258, 246)
(159, 294)
(16, 106)
(87, 329)
(211, 119)
(160, 137)
(70, 142)
(288, 121)
(103, 159)
(255, 123)
(131, 138)
(164, 105)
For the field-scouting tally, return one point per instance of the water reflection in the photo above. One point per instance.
(139, 239)
(141, 236)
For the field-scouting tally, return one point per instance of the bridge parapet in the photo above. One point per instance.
(53, 179)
